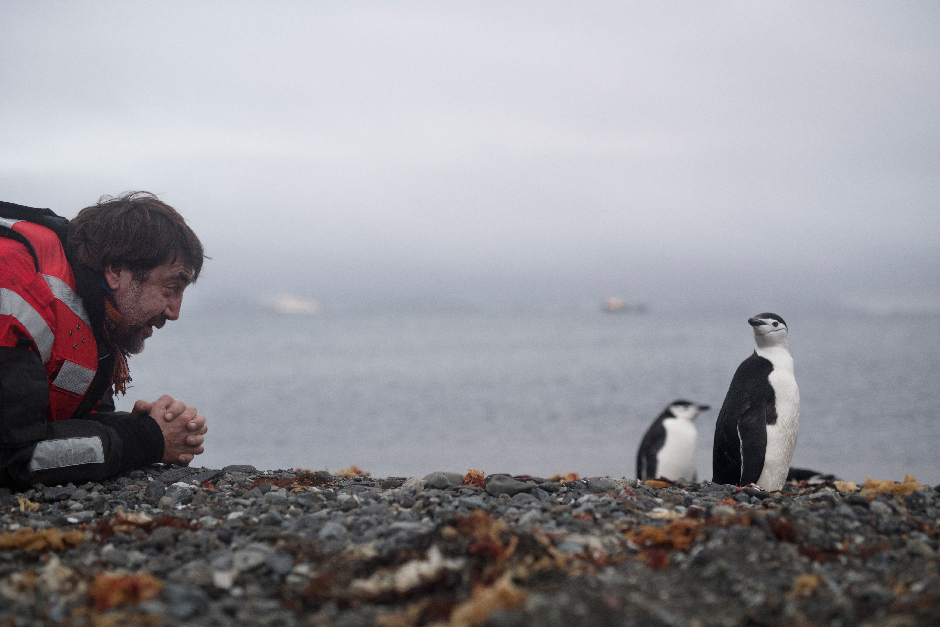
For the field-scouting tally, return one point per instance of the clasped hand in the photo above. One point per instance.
(182, 428)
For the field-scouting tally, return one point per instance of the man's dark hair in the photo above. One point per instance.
(135, 231)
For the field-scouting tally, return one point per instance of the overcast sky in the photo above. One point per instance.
(758, 150)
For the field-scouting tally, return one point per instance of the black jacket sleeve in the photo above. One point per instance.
(24, 396)
(33, 451)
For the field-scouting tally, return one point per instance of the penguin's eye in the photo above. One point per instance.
(775, 324)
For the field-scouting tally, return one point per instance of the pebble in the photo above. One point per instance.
(243, 546)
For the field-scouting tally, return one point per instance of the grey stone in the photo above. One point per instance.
(177, 473)
(530, 518)
(879, 509)
(162, 538)
(221, 560)
(307, 522)
(525, 498)
(601, 484)
(184, 603)
(279, 563)
(550, 486)
(542, 495)
(570, 546)
(918, 546)
(332, 531)
(410, 527)
(502, 484)
(275, 498)
(244, 469)
(80, 517)
(271, 518)
(178, 492)
(199, 478)
(252, 556)
(57, 493)
(114, 557)
(441, 480)
(471, 502)
(154, 490)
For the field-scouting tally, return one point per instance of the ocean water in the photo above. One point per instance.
(533, 394)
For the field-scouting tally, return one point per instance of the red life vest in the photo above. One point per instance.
(45, 308)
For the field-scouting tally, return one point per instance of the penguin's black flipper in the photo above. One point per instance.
(652, 443)
(726, 451)
(752, 434)
(741, 428)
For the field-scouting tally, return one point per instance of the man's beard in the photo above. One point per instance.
(130, 333)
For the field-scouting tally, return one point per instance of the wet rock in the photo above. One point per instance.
(332, 531)
(55, 494)
(155, 490)
(179, 492)
(184, 603)
(503, 484)
(441, 480)
(252, 556)
(602, 484)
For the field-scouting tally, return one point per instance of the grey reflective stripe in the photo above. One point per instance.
(8, 223)
(12, 304)
(73, 377)
(66, 452)
(63, 292)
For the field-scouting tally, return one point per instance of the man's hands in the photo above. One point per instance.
(182, 428)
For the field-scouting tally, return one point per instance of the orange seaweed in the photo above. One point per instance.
(474, 478)
(679, 534)
(109, 591)
(29, 539)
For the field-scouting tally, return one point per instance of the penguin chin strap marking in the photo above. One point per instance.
(741, 448)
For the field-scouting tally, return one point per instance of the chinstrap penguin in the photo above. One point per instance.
(668, 448)
(812, 477)
(759, 419)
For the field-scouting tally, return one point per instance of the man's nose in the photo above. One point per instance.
(172, 311)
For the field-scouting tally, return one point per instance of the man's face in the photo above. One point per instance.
(146, 305)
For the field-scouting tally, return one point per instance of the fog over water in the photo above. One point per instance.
(499, 155)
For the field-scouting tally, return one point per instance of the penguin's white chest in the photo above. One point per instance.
(781, 436)
(676, 459)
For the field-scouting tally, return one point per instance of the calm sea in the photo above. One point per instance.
(407, 395)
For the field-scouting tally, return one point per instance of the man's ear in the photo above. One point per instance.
(112, 276)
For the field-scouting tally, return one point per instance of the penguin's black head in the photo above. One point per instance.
(769, 329)
(767, 318)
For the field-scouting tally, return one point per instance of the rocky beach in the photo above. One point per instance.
(236, 546)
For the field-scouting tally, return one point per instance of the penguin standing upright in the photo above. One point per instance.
(668, 448)
(758, 422)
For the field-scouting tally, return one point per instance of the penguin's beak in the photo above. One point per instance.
(755, 322)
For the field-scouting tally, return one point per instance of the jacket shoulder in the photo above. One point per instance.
(43, 217)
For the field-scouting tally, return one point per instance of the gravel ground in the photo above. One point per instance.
(236, 546)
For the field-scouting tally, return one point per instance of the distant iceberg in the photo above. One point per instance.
(292, 304)
(618, 305)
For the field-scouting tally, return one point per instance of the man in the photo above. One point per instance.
(76, 299)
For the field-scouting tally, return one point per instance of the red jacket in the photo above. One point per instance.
(44, 307)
